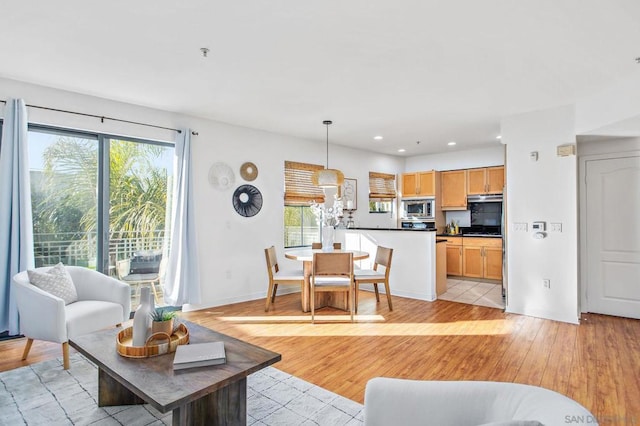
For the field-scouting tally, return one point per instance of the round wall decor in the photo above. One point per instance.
(247, 200)
(221, 176)
(249, 171)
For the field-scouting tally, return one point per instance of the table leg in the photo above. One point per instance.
(226, 406)
(306, 288)
(111, 392)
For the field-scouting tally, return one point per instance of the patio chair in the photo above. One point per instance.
(123, 268)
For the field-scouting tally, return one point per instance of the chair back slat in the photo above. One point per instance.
(272, 260)
(383, 257)
(334, 264)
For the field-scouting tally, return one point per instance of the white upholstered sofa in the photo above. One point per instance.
(404, 402)
(102, 302)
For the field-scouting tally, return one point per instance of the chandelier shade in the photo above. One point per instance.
(327, 178)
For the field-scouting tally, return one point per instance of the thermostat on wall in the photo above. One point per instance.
(538, 227)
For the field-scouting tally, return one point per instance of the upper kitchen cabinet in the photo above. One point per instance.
(485, 180)
(419, 184)
(454, 190)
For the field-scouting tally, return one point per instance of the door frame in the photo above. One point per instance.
(582, 217)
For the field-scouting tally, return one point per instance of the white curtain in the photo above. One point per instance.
(182, 280)
(16, 223)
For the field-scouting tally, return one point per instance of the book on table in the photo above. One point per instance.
(199, 355)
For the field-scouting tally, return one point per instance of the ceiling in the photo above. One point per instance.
(432, 71)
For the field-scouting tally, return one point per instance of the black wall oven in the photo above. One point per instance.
(486, 213)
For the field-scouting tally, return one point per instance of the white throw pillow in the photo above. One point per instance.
(56, 281)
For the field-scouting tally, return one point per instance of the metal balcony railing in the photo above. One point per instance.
(80, 248)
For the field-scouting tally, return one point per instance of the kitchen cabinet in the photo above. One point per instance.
(454, 190)
(454, 256)
(419, 184)
(482, 258)
(485, 180)
(493, 263)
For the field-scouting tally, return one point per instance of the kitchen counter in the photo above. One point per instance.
(470, 235)
(389, 229)
(413, 270)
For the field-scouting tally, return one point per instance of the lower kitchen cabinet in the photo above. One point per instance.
(454, 260)
(482, 258)
(475, 257)
(493, 263)
(454, 256)
(472, 264)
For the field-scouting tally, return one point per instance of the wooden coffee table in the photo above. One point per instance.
(213, 395)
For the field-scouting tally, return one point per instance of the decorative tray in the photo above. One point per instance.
(157, 343)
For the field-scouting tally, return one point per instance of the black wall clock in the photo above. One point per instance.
(247, 200)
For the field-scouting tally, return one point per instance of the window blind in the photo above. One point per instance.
(382, 186)
(298, 188)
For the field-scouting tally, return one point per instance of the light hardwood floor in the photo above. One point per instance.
(596, 363)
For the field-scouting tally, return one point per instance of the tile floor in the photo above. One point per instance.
(473, 292)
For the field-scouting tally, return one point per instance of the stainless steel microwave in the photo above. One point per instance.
(420, 209)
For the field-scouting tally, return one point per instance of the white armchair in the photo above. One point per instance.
(460, 403)
(102, 302)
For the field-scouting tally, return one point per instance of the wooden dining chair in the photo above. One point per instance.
(279, 276)
(332, 272)
(375, 276)
(318, 246)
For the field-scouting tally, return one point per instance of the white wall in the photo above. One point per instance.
(231, 256)
(544, 190)
(600, 113)
(468, 159)
(608, 146)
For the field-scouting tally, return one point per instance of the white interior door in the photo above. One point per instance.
(613, 236)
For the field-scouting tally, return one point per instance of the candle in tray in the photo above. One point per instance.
(349, 204)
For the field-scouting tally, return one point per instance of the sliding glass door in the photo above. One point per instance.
(139, 182)
(101, 202)
(64, 193)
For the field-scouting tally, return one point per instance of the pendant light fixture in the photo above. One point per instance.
(327, 178)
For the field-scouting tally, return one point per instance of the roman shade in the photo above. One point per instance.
(382, 186)
(298, 188)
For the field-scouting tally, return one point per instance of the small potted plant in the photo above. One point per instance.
(162, 320)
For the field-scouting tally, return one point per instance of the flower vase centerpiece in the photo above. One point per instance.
(329, 218)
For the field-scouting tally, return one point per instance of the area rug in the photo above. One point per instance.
(45, 394)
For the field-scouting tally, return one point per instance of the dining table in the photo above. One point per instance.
(339, 300)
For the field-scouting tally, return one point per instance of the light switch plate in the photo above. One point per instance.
(555, 227)
(520, 226)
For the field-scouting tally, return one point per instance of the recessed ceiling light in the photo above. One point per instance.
(452, 143)
(499, 137)
(378, 138)
(401, 150)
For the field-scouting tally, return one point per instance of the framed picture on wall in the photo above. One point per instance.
(349, 194)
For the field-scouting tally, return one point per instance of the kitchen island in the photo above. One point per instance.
(413, 267)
